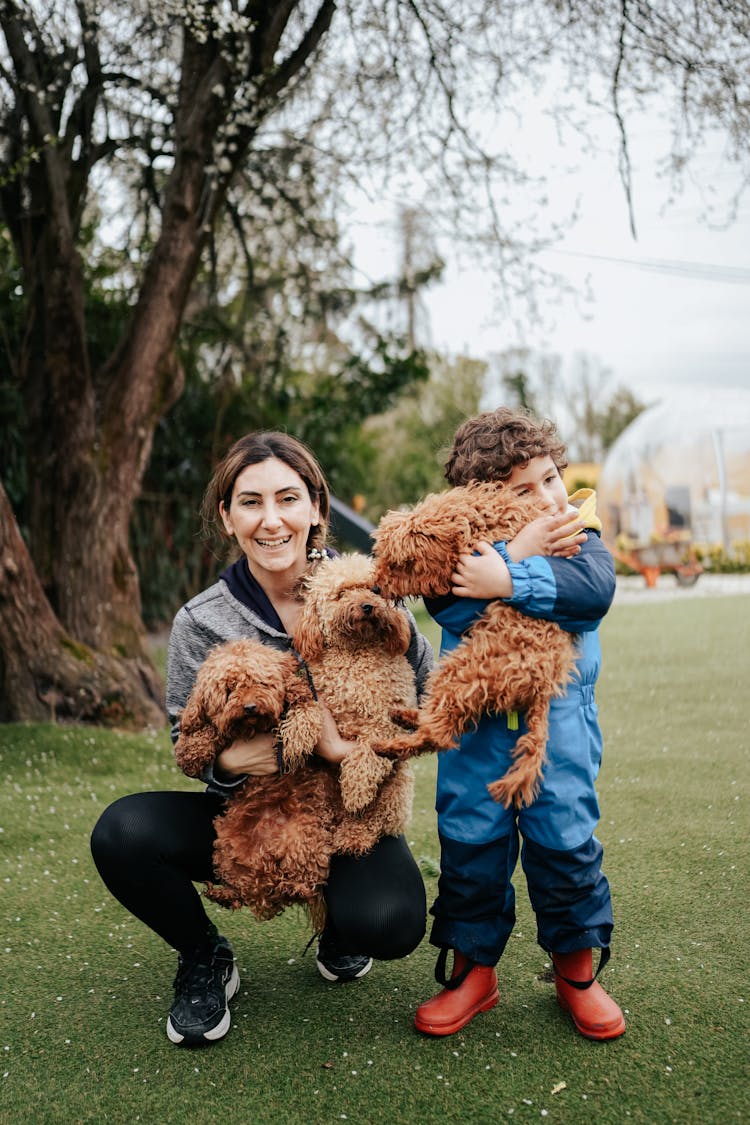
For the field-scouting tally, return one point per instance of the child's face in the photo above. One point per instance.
(540, 480)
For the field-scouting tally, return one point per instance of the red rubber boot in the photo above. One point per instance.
(594, 1013)
(474, 991)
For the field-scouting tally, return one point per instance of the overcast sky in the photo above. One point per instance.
(670, 307)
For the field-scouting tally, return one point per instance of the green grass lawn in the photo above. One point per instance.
(86, 988)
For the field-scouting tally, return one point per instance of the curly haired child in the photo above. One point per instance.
(555, 568)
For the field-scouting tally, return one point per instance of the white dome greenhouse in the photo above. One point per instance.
(682, 468)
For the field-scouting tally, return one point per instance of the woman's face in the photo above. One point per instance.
(270, 515)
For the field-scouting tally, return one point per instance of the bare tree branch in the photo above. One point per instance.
(624, 162)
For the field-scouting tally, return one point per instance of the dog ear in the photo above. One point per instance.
(193, 715)
(308, 639)
(467, 532)
(297, 690)
(196, 745)
(215, 690)
(403, 634)
(397, 637)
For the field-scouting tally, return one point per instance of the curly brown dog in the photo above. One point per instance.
(275, 840)
(506, 661)
(354, 643)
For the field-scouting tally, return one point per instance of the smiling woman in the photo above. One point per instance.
(270, 496)
(271, 515)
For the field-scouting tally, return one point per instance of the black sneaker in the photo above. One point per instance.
(202, 990)
(335, 965)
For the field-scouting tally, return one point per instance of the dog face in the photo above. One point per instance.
(241, 687)
(343, 610)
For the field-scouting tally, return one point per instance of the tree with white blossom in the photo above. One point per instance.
(154, 113)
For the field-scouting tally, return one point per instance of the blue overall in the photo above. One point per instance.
(561, 858)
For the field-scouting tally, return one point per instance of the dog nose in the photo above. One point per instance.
(250, 708)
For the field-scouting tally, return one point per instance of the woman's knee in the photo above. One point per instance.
(377, 902)
(389, 928)
(404, 935)
(122, 830)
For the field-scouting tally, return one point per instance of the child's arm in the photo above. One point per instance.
(485, 574)
(575, 592)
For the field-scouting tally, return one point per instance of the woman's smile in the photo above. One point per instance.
(269, 543)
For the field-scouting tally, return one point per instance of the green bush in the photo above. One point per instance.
(714, 557)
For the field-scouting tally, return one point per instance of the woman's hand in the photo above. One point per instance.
(255, 756)
(331, 746)
(558, 535)
(482, 576)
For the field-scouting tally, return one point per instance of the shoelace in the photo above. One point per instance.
(315, 937)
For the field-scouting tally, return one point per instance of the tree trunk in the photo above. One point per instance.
(96, 448)
(89, 433)
(44, 673)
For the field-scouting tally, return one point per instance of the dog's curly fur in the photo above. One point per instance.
(506, 662)
(276, 837)
(354, 643)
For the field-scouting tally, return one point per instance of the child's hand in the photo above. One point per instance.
(548, 535)
(482, 576)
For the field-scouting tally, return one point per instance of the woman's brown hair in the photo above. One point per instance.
(490, 446)
(251, 450)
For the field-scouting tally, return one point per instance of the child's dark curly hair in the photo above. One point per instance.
(490, 446)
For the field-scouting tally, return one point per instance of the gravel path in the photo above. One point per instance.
(633, 588)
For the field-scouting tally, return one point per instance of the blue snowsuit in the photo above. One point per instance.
(561, 858)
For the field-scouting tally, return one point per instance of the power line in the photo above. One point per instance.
(699, 271)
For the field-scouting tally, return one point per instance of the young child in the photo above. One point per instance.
(556, 568)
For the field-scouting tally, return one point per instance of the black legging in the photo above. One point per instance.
(149, 849)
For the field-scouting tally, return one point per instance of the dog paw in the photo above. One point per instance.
(404, 746)
(222, 895)
(406, 717)
(394, 750)
(360, 776)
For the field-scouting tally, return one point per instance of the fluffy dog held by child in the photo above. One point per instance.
(549, 567)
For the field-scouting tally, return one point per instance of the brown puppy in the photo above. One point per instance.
(506, 661)
(275, 840)
(354, 643)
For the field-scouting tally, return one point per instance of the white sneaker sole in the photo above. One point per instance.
(224, 1024)
(328, 975)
